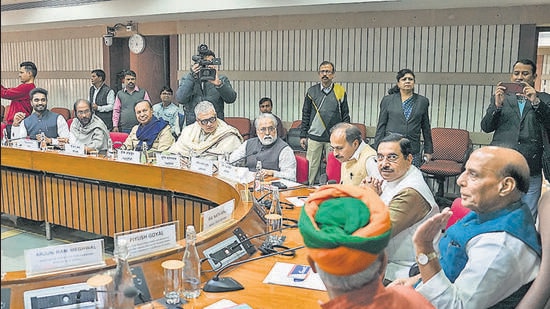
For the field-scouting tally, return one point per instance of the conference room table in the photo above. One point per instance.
(107, 197)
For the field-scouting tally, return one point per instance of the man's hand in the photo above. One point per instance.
(115, 129)
(499, 95)
(425, 234)
(217, 82)
(531, 94)
(94, 106)
(17, 118)
(303, 143)
(373, 183)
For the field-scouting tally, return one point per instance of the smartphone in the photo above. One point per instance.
(512, 88)
(278, 184)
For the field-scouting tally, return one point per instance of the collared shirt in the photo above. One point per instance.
(498, 264)
(62, 130)
(110, 99)
(116, 108)
(170, 114)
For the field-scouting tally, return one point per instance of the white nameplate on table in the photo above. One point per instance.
(129, 156)
(75, 149)
(149, 240)
(203, 166)
(28, 144)
(165, 160)
(217, 215)
(64, 257)
(226, 170)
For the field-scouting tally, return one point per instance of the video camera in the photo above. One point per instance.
(205, 72)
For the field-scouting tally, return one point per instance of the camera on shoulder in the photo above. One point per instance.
(204, 59)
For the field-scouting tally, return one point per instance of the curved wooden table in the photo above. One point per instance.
(51, 172)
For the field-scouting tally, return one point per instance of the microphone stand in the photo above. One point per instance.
(228, 284)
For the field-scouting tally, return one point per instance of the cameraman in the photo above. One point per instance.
(193, 90)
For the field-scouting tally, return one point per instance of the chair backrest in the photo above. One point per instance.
(458, 210)
(296, 124)
(63, 111)
(242, 124)
(6, 110)
(361, 128)
(118, 138)
(69, 122)
(333, 168)
(302, 169)
(451, 144)
(2, 111)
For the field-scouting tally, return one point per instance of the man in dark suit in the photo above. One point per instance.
(405, 112)
(517, 120)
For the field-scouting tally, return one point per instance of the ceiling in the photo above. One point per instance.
(20, 15)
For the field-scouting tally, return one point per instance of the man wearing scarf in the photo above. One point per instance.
(89, 131)
(277, 157)
(208, 136)
(346, 229)
(152, 131)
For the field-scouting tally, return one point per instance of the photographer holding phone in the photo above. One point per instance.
(518, 120)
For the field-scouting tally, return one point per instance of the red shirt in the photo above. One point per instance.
(20, 100)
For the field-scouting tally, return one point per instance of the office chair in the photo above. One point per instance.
(242, 124)
(333, 168)
(452, 147)
(302, 169)
(63, 111)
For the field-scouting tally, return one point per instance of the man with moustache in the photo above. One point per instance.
(402, 188)
(124, 116)
(40, 121)
(102, 98)
(151, 131)
(277, 157)
(89, 131)
(350, 149)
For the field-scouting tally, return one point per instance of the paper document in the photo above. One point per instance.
(287, 274)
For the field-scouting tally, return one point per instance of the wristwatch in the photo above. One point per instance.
(423, 258)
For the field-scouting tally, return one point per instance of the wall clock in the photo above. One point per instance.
(136, 43)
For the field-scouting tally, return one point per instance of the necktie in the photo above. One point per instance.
(407, 108)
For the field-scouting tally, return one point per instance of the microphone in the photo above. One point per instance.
(228, 284)
(244, 157)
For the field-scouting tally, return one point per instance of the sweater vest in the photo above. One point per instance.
(269, 155)
(101, 100)
(515, 220)
(47, 123)
(128, 118)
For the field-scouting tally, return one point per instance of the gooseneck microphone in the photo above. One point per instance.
(228, 284)
(244, 157)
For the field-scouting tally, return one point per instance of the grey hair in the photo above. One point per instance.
(352, 282)
(265, 115)
(204, 107)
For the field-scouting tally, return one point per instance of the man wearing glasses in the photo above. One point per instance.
(325, 105)
(89, 131)
(207, 137)
(401, 186)
(275, 154)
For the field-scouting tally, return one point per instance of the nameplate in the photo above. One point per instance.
(64, 257)
(128, 156)
(227, 171)
(217, 215)
(203, 166)
(75, 149)
(28, 144)
(164, 160)
(150, 240)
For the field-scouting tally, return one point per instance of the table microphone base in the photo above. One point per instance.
(225, 284)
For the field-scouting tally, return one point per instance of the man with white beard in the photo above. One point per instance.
(276, 155)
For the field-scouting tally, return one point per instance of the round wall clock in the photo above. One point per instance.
(136, 43)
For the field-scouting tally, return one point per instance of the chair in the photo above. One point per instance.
(69, 122)
(2, 111)
(452, 147)
(458, 210)
(242, 124)
(2, 130)
(302, 169)
(63, 111)
(363, 130)
(118, 138)
(333, 168)
(6, 111)
(296, 124)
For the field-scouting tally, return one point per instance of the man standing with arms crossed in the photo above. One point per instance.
(21, 100)
(325, 105)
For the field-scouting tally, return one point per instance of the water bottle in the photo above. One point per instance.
(43, 144)
(192, 266)
(258, 177)
(274, 220)
(110, 150)
(145, 154)
(123, 278)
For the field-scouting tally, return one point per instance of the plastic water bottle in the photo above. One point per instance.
(110, 150)
(274, 220)
(43, 145)
(258, 178)
(192, 266)
(123, 278)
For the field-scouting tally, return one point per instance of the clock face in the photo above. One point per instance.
(136, 43)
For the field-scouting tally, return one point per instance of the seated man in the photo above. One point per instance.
(89, 131)
(276, 156)
(169, 111)
(40, 121)
(410, 200)
(350, 149)
(152, 131)
(266, 105)
(346, 229)
(207, 137)
(491, 256)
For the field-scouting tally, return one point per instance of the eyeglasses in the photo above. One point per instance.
(86, 112)
(207, 121)
(392, 157)
(264, 130)
(325, 72)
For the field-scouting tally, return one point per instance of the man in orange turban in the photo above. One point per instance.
(346, 229)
